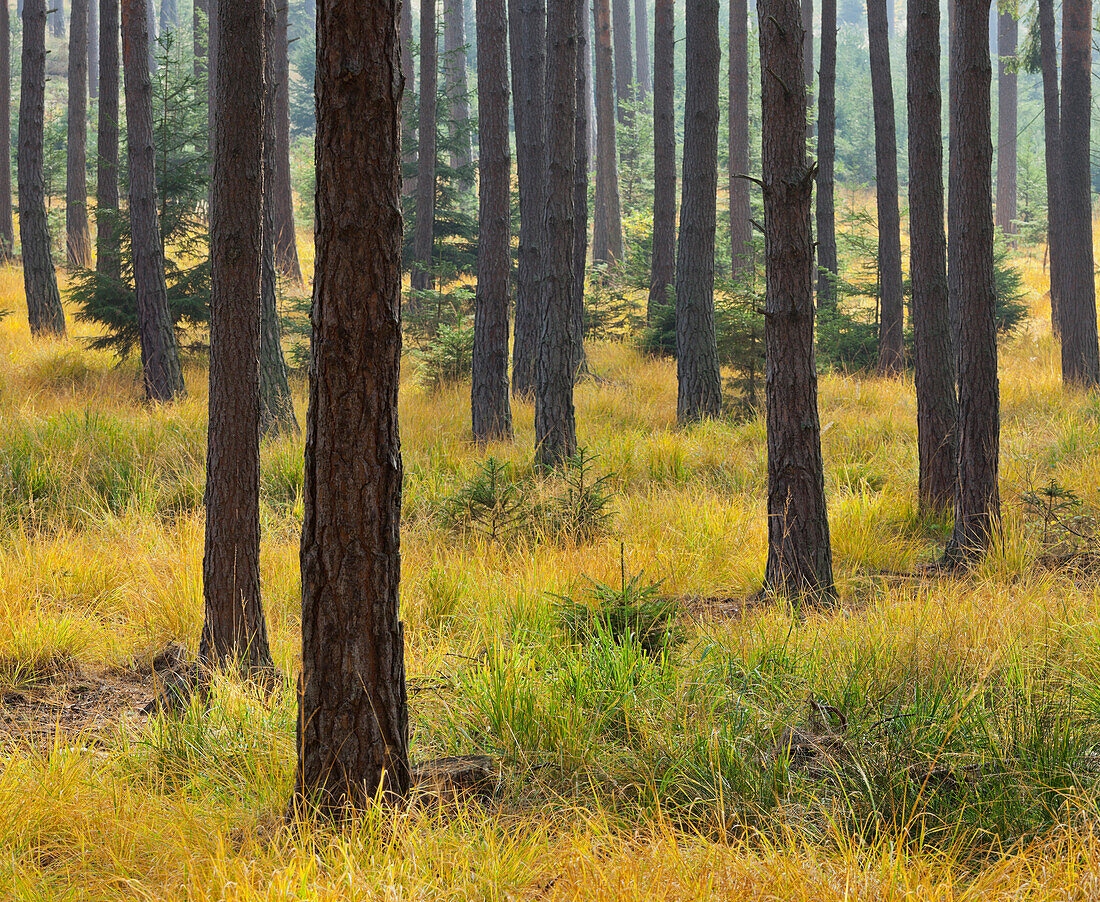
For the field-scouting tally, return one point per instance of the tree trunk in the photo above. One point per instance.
(937, 409)
(200, 27)
(234, 633)
(977, 504)
(78, 244)
(953, 231)
(160, 362)
(276, 404)
(808, 60)
(641, 44)
(1048, 51)
(423, 240)
(282, 195)
(891, 340)
(7, 225)
(799, 555)
(663, 268)
(1007, 32)
(527, 25)
(1080, 357)
(408, 121)
(39, 280)
(698, 374)
(555, 423)
(826, 160)
(353, 731)
(490, 405)
(169, 16)
(590, 38)
(211, 88)
(151, 19)
(93, 48)
(107, 251)
(624, 62)
(457, 88)
(607, 232)
(580, 190)
(741, 261)
(57, 18)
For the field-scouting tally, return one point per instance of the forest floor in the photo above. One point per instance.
(935, 736)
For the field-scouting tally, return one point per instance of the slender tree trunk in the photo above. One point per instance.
(200, 32)
(977, 503)
(808, 60)
(408, 119)
(698, 375)
(276, 404)
(826, 159)
(607, 233)
(624, 62)
(107, 251)
(160, 362)
(78, 243)
(7, 225)
(39, 280)
(953, 229)
(211, 88)
(282, 195)
(169, 16)
(580, 190)
(1080, 357)
(454, 80)
(663, 268)
(1048, 51)
(741, 261)
(234, 633)
(527, 24)
(93, 48)
(590, 38)
(555, 423)
(937, 409)
(891, 341)
(490, 405)
(799, 553)
(424, 237)
(641, 44)
(57, 18)
(353, 730)
(151, 18)
(1007, 32)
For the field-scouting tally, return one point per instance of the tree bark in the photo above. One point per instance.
(580, 190)
(741, 261)
(953, 214)
(527, 25)
(234, 633)
(93, 48)
(423, 240)
(108, 260)
(78, 244)
(7, 225)
(151, 18)
(454, 80)
(808, 61)
(555, 423)
(160, 363)
(57, 18)
(1080, 356)
(1052, 144)
(641, 45)
(937, 408)
(977, 503)
(489, 401)
(169, 16)
(663, 267)
(282, 195)
(827, 268)
(353, 732)
(607, 232)
(40, 282)
(408, 121)
(1007, 33)
(799, 554)
(891, 340)
(698, 375)
(624, 62)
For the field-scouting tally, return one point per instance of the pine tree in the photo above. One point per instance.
(78, 244)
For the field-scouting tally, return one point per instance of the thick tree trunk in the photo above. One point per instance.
(799, 553)
(169, 16)
(281, 194)
(353, 731)
(698, 374)
(408, 120)
(663, 267)
(234, 633)
(39, 280)
(641, 45)
(1080, 356)
(977, 503)
(424, 237)
(527, 25)
(489, 401)
(1048, 52)
(555, 423)
(741, 261)
(1007, 33)
(160, 362)
(454, 80)
(607, 232)
(7, 225)
(937, 409)
(78, 244)
(624, 62)
(891, 340)
(808, 61)
(276, 404)
(107, 251)
(580, 191)
(93, 48)
(826, 160)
